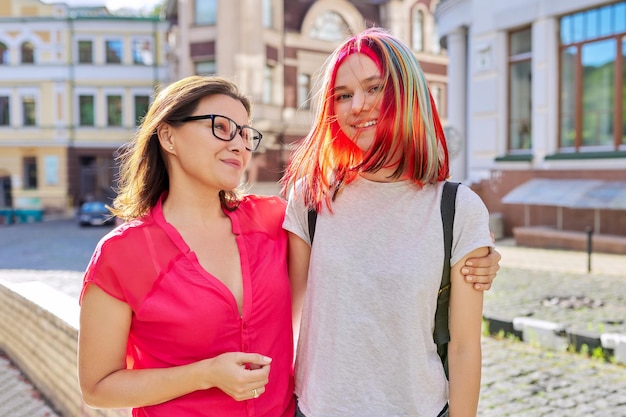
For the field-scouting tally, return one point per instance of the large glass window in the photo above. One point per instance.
(114, 110)
(4, 54)
(86, 110)
(28, 53)
(114, 51)
(30, 172)
(520, 90)
(5, 119)
(592, 96)
(85, 52)
(206, 12)
(29, 111)
(142, 103)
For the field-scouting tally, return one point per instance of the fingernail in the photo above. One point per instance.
(469, 278)
(469, 263)
(266, 359)
(464, 271)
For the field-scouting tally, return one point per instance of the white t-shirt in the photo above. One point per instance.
(366, 338)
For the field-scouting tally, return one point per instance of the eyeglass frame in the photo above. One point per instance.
(238, 128)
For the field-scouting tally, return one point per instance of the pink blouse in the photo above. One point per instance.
(182, 314)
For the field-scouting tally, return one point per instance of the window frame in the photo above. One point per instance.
(79, 52)
(515, 59)
(107, 49)
(574, 36)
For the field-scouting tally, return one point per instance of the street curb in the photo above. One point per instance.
(555, 336)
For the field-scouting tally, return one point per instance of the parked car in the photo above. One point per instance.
(95, 213)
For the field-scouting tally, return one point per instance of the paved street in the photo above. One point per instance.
(519, 379)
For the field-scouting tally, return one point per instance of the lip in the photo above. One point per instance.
(235, 163)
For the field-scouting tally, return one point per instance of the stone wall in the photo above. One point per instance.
(39, 331)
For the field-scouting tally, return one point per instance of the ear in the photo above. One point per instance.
(166, 137)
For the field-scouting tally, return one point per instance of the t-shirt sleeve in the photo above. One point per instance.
(471, 224)
(296, 216)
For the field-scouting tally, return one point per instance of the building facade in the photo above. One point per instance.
(537, 91)
(275, 50)
(73, 84)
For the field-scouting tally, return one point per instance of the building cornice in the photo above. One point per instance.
(453, 14)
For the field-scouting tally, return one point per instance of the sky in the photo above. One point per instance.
(111, 4)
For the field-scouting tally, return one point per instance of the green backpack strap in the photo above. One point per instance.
(441, 334)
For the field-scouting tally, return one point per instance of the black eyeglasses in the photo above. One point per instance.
(224, 128)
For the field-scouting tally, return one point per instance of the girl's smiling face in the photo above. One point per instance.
(357, 98)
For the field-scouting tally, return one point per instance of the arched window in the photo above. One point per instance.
(417, 30)
(28, 53)
(330, 27)
(4, 54)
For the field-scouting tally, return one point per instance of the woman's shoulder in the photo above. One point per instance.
(261, 213)
(264, 202)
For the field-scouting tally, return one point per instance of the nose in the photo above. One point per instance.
(238, 143)
(359, 103)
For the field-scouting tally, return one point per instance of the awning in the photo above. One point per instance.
(581, 194)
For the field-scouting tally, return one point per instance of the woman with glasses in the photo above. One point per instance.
(373, 168)
(186, 307)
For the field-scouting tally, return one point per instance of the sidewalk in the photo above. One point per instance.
(554, 286)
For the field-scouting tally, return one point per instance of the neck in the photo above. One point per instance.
(184, 206)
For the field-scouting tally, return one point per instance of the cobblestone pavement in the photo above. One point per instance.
(519, 379)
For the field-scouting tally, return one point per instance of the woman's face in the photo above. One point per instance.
(357, 98)
(203, 159)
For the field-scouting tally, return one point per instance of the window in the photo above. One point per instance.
(86, 110)
(30, 172)
(114, 52)
(417, 33)
(142, 103)
(28, 53)
(205, 68)
(520, 91)
(268, 13)
(592, 97)
(206, 12)
(330, 27)
(5, 119)
(29, 115)
(114, 110)
(268, 84)
(4, 53)
(142, 52)
(436, 44)
(304, 91)
(85, 52)
(437, 92)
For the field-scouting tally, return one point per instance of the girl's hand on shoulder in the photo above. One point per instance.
(482, 271)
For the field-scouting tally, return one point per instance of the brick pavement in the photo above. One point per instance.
(519, 379)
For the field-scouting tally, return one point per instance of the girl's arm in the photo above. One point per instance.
(464, 349)
(299, 255)
(106, 383)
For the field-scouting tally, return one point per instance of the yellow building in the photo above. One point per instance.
(73, 84)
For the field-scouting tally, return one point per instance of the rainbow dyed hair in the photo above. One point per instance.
(327, 160)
